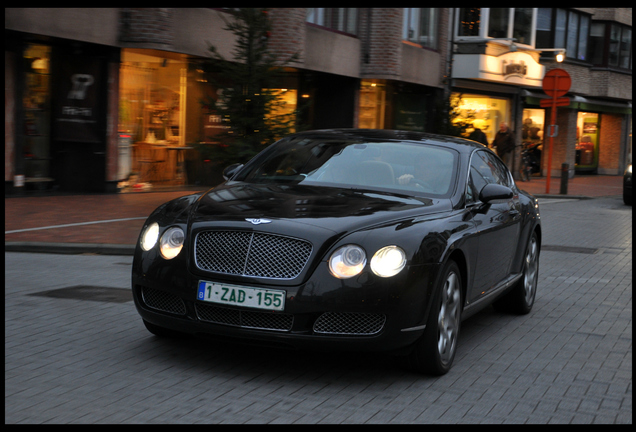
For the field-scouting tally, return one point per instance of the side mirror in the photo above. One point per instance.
(229, 171)
(493, 191)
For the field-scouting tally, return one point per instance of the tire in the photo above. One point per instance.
(520, 299)
(434, 352)
(525, 171)
(528, 173)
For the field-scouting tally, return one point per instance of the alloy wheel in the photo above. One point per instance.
(531, 271)
(448, 318)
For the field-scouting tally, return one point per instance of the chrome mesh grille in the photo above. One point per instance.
(244, 318)
(349, 323)
(251, 254)
(163, 301)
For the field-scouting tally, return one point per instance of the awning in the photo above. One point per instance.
(582, 103)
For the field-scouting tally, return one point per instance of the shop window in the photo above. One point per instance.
(284, 108)
(152, 117)
(372, 105)
(37, 113)
(483, 112)
(532, 133)
(533, 126)
(587, 141)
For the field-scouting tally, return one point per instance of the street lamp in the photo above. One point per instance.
(560, 56)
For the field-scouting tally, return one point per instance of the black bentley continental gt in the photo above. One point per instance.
(344, 240)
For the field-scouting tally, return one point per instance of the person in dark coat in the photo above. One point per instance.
(504, 144)
(479, 136)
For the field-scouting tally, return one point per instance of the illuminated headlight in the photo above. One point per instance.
(150, 236)
(347, 261)
(171, 242)
(388, 261)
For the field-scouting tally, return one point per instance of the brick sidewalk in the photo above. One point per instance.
(125, 213)
(37, 212)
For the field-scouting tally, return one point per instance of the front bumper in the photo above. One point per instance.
(366, 313)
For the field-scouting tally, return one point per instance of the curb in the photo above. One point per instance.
(70, 248)
(552, 196)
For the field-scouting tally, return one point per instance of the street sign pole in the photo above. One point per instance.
(551, 144)
(556, 83)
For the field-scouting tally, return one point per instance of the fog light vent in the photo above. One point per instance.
(349, 323)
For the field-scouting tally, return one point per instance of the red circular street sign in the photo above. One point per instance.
(556, 82)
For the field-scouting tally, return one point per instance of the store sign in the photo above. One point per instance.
(77, 106)
(509, 68)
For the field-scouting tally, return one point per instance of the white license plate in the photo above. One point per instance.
(258, 298)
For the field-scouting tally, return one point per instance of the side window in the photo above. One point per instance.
(485, 169)
(499, 170)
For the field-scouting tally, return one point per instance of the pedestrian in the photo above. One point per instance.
(504, 144)
(479, 136)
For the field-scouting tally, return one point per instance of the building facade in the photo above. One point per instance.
(106, 99)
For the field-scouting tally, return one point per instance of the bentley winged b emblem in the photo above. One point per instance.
(257, 221)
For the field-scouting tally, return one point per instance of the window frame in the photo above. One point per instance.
(603, 42)
(569, 29)
(415, 15)
(484, 25)
(340, 20)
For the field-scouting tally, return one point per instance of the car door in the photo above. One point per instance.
(497, 224)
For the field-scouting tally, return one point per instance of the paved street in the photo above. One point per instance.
(83, 355)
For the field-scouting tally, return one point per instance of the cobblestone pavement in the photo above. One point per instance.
(88, 359)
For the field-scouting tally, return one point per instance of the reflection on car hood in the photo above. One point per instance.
(330, 208)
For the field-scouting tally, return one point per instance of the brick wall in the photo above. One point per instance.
(147, 25)
(610, 144)
(288, 32)
(385, 42)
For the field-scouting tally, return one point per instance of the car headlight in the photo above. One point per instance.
(171, 242)
(150, 236)
(347, 261)
(388, 261)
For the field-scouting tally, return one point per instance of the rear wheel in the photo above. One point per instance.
(525, 170)
(521, 298)
(434, 352)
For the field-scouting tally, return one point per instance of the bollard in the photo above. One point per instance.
(565, 171)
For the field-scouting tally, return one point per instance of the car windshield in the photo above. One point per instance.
(408, 167)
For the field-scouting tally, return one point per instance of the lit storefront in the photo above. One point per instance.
(483, 112)
(587, 141)
(153, 92)
(372, 104)
(37, 114)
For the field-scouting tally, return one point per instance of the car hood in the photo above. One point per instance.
(335, 209)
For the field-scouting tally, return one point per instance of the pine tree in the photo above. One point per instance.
(450, 119)
(246, 100)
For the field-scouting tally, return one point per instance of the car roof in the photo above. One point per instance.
(457, 143)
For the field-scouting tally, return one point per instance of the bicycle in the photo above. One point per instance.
(525, 165)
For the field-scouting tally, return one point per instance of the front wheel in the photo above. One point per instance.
(434, 352)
